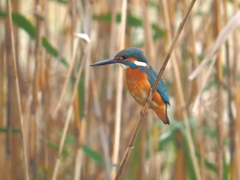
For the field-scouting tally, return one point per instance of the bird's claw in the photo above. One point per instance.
(143, 114)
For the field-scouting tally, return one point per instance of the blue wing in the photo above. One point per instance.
(161, 88)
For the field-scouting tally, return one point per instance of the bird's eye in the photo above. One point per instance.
(124, 57)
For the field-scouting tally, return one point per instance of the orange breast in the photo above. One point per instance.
(139, 87)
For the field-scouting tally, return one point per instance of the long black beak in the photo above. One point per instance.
(104, 62)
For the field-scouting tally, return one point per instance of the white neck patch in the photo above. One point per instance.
(124, 66)
(139, 63)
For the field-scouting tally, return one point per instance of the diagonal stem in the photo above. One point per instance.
(153, 89)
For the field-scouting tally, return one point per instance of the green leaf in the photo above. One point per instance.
(60, 1)
(188, 159)
(56, 147)
(14, 131)
(158, 32)
(81, 94)
(154, 4)
(3, 14)
(211, 84)
(210, 132)
(51, 50)
(133, 21)
(210, 166)
(24, 23)
(94, 155)
(104, 18)
(226, 168)
(3, 130)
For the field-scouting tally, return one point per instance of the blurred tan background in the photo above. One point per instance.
(59, 116)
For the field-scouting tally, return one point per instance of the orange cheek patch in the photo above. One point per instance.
(131, 60)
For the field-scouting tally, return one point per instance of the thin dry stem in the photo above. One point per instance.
(24, 151)
(115, 155)
(66, 125)
(73, 62)
(234, 125)
(219, 122)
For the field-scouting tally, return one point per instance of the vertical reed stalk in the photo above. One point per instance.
(38, 73)
(232, 148)
(2, 111)
(234, 125)
(12, 67)
(80, 126)
(116, 146)
(150, 54)
(180, 169)
(217, 9)
(237, 124)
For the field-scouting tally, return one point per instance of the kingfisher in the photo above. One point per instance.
(140, 77)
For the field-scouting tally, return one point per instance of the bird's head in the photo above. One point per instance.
(130, 57)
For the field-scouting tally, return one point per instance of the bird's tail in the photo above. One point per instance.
(162, 114)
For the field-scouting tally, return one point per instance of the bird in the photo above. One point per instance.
(140, 77)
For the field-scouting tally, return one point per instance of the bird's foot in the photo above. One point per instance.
(143, 114)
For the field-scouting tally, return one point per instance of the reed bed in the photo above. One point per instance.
(62, 119)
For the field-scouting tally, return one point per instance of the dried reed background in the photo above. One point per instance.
(58, 115)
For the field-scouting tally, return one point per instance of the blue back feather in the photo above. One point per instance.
(161, 88)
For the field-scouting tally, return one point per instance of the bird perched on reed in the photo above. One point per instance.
(140, 76)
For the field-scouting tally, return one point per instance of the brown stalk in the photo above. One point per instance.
(65, 129)
(152, 90)
(116, 147)
(13, 67)
(79, 151)
(149, 52)
(110, 84)
(180, 112)
(219, 122)
(38, 73)
(2, 106)
(79, 125)
(15, 145)
(235, 151)
(237, 124)
(195, 90)
(112, 50)
(41, 15)
(232, 133)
